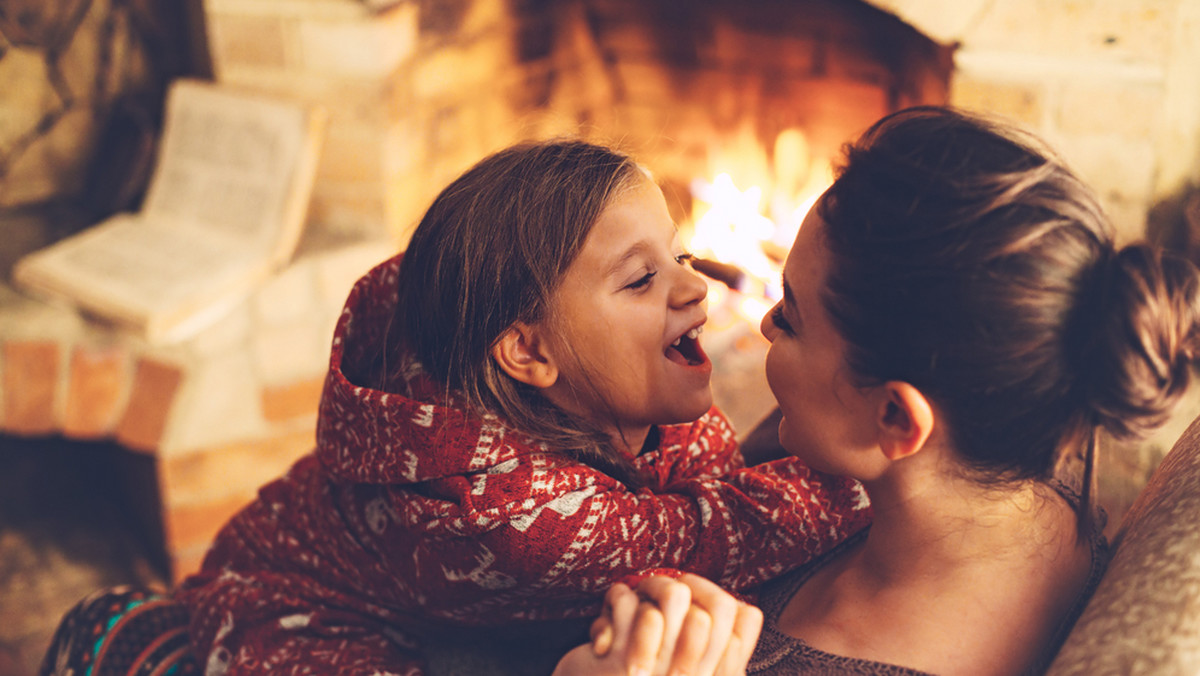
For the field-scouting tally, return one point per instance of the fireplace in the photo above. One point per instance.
(691, 90)
(763, 92)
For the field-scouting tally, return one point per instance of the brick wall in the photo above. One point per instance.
(222, 412)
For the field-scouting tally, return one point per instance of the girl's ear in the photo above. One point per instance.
(905, 420)
(522, 353)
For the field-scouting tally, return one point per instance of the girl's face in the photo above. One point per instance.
(824, 414)
(628, 310)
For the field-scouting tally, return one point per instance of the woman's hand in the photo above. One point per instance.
(685, 626)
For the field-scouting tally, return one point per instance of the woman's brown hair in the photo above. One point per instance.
(970, 262)
(491, 251)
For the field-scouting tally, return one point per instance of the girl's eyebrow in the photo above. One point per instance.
(631, 252)
(638, 247)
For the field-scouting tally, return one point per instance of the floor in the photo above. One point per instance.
(65, 531)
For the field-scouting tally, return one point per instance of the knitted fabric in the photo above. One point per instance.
(122, 631)
(412, 516)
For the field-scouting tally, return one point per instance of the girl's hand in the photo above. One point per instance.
(685, 626)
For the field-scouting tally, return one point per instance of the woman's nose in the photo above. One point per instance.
(689, 287)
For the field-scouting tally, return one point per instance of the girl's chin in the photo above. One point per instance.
(691, 413)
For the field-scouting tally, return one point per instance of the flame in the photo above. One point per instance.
(744, 227)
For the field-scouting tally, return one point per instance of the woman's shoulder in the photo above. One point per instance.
(778, 654)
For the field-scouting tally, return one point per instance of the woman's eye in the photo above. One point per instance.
(684, 258)
(642, 281)
(781, 322)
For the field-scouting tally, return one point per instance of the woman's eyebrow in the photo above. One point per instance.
(789, 298)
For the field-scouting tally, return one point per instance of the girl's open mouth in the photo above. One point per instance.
(686, 349)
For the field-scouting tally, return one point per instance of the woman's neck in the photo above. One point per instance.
(957, 576)
(934, 525)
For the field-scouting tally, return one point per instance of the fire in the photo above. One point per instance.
(752, 228)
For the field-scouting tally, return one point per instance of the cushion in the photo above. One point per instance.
(1145, 615)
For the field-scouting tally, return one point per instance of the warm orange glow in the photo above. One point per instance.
(752, 227)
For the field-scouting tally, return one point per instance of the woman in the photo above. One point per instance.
(957, 325)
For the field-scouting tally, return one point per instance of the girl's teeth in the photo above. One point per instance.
(692, 334)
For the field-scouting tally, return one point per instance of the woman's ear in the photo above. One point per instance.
(522, 353)
(905, 420)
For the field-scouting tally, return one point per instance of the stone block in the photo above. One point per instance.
(403, 149)
(231, 470)
(218, 402)
(1128, 110)
(355, 151)
(1111, 165)
(369, 47)
(346, 100)
(155, 384)
(250, 41)
(1128, 217)
(27, 97)
(484, 15)
(31, 377)
(55, 164)
(231, 332)
(186, 560)
(285, 353)
(1113, 31)
(98, 381)
(286, 297)
(942, 20)
(190, 530)
(352, 209)
(338, 270)
(1020, 101)
(462, 70)
(289, 401)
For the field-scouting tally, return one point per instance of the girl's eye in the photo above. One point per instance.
(684, 258)
(642, 281)
(781, 322)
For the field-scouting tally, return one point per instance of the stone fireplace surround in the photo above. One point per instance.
(417, 91)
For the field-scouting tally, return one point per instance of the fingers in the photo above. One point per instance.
(746, 628)
(581, 662)
(674, 602)
(686, 626)
(645, 641)
(722, 610)
(694, 640)
(620, 608)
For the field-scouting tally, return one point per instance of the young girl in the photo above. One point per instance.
(517, 415)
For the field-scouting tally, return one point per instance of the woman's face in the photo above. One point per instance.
(824, 414)
(628, 310)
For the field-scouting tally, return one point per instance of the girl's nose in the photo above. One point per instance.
(689, 287)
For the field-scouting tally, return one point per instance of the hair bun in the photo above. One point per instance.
(1137, 363)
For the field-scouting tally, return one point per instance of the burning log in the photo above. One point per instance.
(729, 275)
